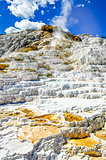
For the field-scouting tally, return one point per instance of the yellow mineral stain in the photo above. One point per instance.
(40, 54)
(71, 117)
(46, 34)
(66, 54)
(64, 128)
(75, 38)
(27, 112)
(48, 28)
(3, 66)
(3, 60)
(39, 121)
(101, 134)
(55, 122)
(50, 117)
(89, 142)
(5, 114)
(67, 62)
(18, 59)
(48, 74)
(35, 133)
(36, 43)
(11, 122)
(97, 158)
(3, 71)
(28, 48)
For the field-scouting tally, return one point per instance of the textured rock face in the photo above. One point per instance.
(52, 95)
(14, 41)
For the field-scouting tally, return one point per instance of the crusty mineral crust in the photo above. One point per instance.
(52, 95)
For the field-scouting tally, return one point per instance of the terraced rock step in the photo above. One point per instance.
(52, 96)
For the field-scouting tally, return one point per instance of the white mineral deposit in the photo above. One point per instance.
(52, 95)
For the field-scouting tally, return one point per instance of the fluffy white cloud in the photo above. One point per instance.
(11, 29)
(22, 8)
(24, 24)
(26, 8)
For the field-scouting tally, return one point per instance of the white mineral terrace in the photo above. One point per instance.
(52, 96)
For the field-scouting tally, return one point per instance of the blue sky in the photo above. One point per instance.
(78, 16)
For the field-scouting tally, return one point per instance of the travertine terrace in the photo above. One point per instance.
(52, 96)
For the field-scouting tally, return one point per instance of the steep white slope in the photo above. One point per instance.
(53, 90)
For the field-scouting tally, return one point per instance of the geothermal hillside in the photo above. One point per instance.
(52, 96)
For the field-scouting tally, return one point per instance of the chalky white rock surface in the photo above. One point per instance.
(62, 75)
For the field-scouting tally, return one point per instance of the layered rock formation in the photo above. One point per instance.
(52, 95)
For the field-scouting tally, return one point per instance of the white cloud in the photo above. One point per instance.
(42, 12)
(61, 20)
(11, 29)
(8, 1)
(26, 8)
(24, 24)
(80, 5)
(65, 19)
(23, 8)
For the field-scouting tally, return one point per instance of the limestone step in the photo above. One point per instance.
(91, 95)
(96, 68)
